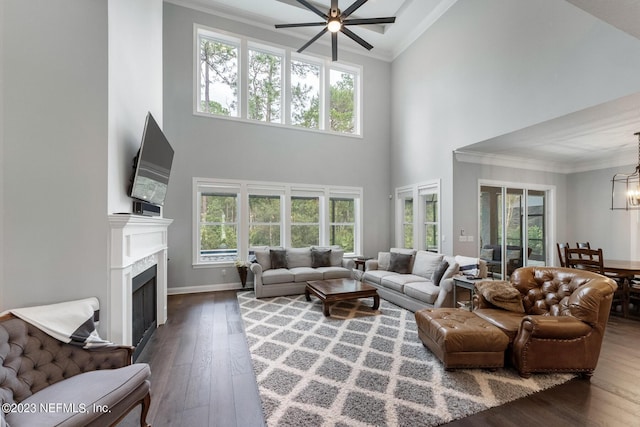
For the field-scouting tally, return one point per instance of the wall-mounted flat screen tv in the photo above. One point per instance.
(152, 165)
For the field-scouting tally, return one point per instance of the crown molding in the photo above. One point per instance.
(621, 159)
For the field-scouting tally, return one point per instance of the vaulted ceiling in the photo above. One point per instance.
(597, 137)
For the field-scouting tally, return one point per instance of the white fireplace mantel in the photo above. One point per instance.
(134, 241)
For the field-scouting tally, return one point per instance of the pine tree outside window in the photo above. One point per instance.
(264, 82)
(218, 76)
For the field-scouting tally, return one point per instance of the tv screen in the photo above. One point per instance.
(152, 165)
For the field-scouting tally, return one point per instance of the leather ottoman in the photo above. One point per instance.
(460, 339)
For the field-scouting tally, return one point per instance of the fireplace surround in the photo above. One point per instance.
(136, 243)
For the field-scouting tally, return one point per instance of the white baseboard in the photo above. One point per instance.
(209, 288)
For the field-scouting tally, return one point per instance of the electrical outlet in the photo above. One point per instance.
(463, 238)
(224, 272)
(469, 238)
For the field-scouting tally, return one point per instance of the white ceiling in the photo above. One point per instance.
(597, 137)
(413, 17)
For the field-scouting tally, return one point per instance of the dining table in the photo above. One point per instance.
(625, 268)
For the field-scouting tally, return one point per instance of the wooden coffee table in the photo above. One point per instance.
(333, 290)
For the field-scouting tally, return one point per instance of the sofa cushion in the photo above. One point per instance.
(397, 281)
(439, 272)
(302, 274)
(278, 258)
(298, 257)
(278, 275)
(424, 291)
(507, 321)
(80, 392)
(334, 272)
(400, 263)
(320, 257)
(375, 276)
(426, 263)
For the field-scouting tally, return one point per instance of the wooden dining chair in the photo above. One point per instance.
(585, 259)
(585, 245)
(561, 247)
(592, 259)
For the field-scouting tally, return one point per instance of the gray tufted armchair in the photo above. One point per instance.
(45, 382)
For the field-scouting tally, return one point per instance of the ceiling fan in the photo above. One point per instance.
(336, 21)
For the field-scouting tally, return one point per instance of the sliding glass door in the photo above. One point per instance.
(513, 228)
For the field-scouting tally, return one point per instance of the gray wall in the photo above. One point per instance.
(84, 95)
(135, 87)
(55, 150)
(220, 148)
(465, 204)
(2, 129)
(592, 220)
(488, 68)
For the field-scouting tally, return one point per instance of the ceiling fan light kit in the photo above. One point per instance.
(336, 21)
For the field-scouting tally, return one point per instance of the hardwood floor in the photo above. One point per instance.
(202, 376)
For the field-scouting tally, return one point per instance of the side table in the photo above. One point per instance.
(465, 283)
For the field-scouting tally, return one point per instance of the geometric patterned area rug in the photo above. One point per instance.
(361, 367)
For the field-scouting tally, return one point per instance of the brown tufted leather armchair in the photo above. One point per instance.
(45, 382)
(566, 312)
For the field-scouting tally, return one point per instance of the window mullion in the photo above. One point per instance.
(286, 88)
(243, 84)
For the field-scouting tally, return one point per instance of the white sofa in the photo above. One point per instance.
(274, 276)
(415, 289)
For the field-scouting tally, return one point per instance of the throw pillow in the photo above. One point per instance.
(469, 266)
(384, 260)
(400, 263)
(486, 254)
(320, 257)
(426, 263)
(278, 258)
(436, 277)
(513, 254)
(501, 294)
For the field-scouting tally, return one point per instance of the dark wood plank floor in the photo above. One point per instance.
(202, 376)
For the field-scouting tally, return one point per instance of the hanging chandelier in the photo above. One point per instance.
(625, 188)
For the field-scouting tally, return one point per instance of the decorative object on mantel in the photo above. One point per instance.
(627, 185)
(243, 267)
(336, 21)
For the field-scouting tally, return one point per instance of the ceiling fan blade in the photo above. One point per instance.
(316, 37)
(334, 46)
(312, 8)
(368, 21)
(353, 36)
(352, 8)
(307, 24)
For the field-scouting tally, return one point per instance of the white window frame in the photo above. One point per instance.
(244, 44)
(269, 50)
(203, 188)
(416, 193)
(226, 38)
(424, 190)
(357, 217)
(321, 90)
(285, 191)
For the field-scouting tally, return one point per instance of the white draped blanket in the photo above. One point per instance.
(73, 322)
